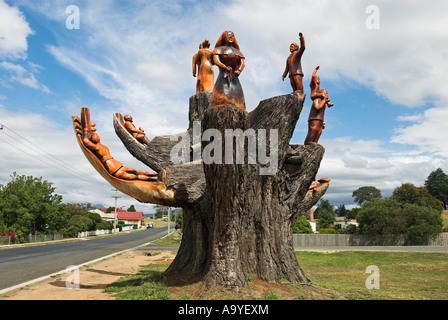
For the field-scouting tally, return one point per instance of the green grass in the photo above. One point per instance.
(141, 286)
(171, 240)
(402, 275)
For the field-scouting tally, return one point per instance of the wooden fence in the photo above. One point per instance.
(323, 240)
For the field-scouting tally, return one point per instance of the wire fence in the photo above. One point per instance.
(31, 238)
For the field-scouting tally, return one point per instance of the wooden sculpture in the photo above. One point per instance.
(202, 62)
(236, 220)
(320, 99)
(294, 64)
(230, 61)
(138, 134)
(142, 185)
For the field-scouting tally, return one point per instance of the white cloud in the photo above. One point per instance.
(428, 131)
(140, 59)
(18, 73)
(14, 30)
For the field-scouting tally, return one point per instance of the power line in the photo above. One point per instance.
(63, 165)
(39, 148)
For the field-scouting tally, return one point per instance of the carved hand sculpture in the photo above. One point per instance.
(142, 185)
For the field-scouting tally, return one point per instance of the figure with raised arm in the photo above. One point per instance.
(294, 64)
(203, 64)
(316, 118)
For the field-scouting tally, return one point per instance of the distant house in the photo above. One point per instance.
(109, 217)
(311, 221)
(134, 218)
(129, 218)
(343, 222)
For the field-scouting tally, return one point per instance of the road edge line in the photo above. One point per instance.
(21, 285)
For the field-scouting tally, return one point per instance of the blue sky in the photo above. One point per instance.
(388, 85)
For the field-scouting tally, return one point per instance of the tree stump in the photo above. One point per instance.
(238, 217)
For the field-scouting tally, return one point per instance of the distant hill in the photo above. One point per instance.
(99, 206)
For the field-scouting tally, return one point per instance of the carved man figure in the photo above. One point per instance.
(316, 118)
(138, 134)
(113, 166)
(294, 65)
(202, 62)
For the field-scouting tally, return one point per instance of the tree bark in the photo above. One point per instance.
(238, 220)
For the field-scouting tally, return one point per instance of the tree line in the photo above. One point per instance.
(411, 211)
(29, 205)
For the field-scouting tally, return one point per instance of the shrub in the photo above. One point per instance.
(389, 218)
(327, 231)
(301, 225)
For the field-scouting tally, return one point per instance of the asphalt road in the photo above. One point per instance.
(23, 264)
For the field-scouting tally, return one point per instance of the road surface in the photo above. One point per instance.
(22, 264)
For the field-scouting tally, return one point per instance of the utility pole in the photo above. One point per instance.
(169, 219)
(115, 216)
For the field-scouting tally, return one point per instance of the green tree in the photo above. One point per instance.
(131, 208)
(408, 193)
(30, 205)
(326, 218)
(367, 193)
(353, 213)
(160, 210)
(324, 205)
(341, 211)
(389, 218)
(78, 223)
(302, 225)
(78, 208)
(180, 219)
(437, 186)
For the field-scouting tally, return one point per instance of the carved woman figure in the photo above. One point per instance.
(316, 118)
(230, 61)
(202, 62)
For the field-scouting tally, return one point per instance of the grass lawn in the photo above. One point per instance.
(171, 240)
(340, 275)
(402, 275)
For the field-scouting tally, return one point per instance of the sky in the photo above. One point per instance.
(383, 64)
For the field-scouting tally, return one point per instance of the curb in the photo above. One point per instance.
(21, 285)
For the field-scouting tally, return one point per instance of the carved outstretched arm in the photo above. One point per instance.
(302, 43)
(143, 191)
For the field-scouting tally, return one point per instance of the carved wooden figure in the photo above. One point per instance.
(230, 61)
(92, 140)
(203, 64)
(316, 118)
(294, 64)
(138, 134)
(237, 220)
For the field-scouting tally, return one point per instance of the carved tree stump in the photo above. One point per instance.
(236, 220)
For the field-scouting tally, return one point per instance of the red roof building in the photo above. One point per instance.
(130, 217)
